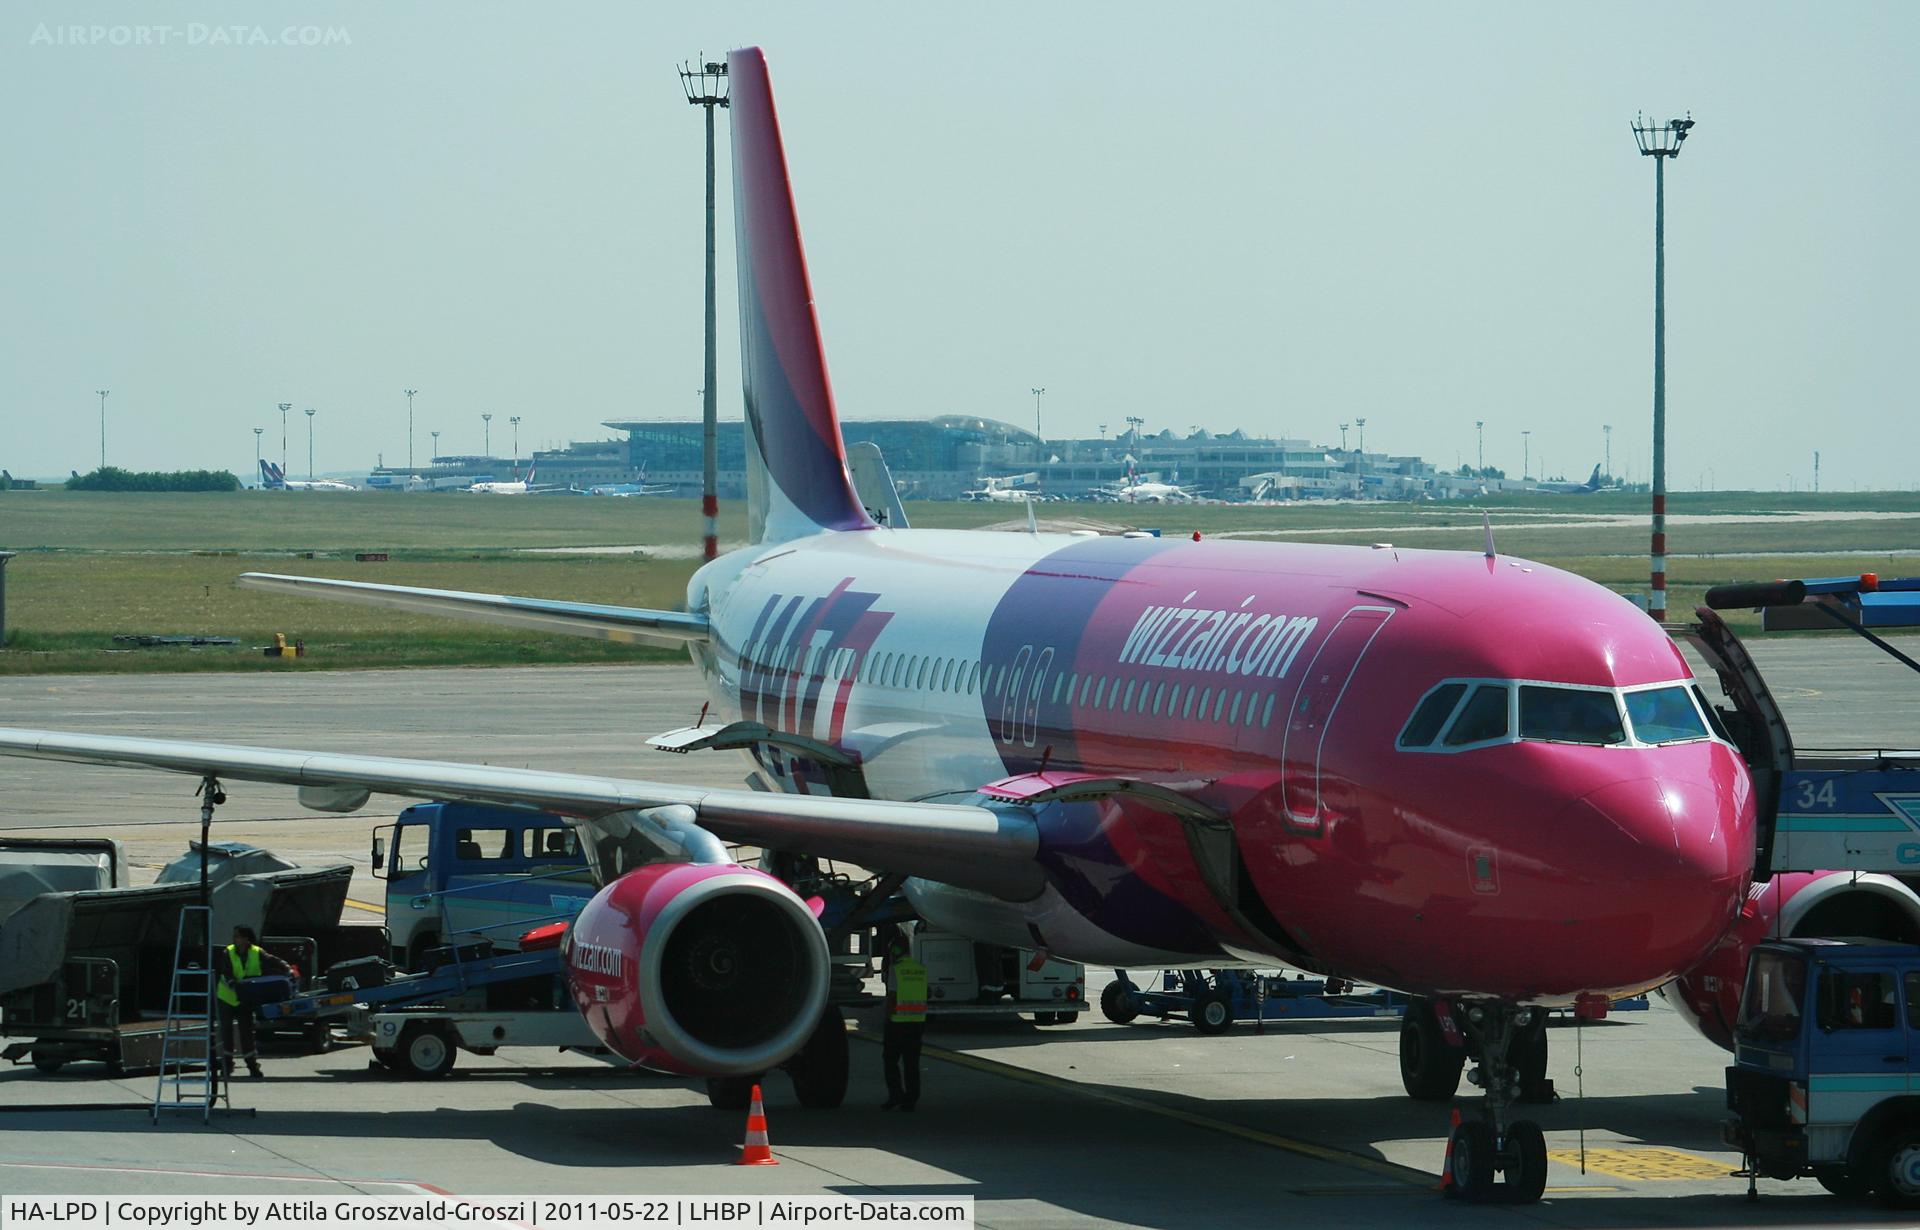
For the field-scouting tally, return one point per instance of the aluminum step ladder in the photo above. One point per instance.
(190, 1079)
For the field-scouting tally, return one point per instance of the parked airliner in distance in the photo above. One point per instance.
(522, 486)
(273, 478)
(627, 491)
(1486, 782)
(1590, 487)
(1010, 489)
(1137, 490)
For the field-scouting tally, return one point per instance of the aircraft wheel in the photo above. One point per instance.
(1896, 1170)
(1527, 1174)
(1116, 1003)
(1213, 1012)
(1471, 1168)
(426, 1051)
(819, 1070)
(1429, 1068)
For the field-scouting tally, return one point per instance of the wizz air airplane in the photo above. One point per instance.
(1484, 781)
(273, 478)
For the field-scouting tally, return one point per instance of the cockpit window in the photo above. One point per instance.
(1664, 715)
(1570, 715)
(1484, 717)
(1431, 715)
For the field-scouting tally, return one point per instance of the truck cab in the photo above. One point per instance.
(1826, 1078)
(465, 872)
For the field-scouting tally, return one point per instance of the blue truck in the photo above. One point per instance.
(462, 872)
(1826, 1075)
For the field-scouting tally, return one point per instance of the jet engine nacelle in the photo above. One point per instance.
(709, 969)
(1800, 904)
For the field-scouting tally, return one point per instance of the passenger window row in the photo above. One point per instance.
(908, 672)
(918, 673)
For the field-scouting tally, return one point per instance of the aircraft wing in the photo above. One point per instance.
(960, 844)
(626, 624)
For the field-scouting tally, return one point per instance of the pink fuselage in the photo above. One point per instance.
(1267, 682)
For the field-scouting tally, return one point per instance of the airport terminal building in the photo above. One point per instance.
(947, 457)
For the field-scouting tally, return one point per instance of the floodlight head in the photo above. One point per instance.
(707, 85)
(1660, 140)
(311, 412)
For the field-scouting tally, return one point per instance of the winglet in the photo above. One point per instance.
(1486, 522)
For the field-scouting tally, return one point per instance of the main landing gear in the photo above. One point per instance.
(1510, 1042)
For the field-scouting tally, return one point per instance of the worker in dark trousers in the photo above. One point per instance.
(244, 958)
(906, 981)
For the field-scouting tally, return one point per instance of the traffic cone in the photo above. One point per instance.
(1446, 1166)
(757, 1152)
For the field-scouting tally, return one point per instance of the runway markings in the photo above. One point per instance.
(1646, 1163)
(1305, 1148)
(225, 1174)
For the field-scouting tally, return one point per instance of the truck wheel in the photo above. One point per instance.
(1212, 1012)
(426, 1051)
(819, 1071)
(1527, 1176)
(1896, 1170)
(48, 1062)
(1842, 1182)
(1429, 1068)
(1116, 1003)
(730, 1092)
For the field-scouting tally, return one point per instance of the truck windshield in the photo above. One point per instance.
(1770, 1006)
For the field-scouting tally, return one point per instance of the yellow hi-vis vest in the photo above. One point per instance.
(909, 991)
(250, 968)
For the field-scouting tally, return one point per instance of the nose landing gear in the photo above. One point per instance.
(1506, 1038)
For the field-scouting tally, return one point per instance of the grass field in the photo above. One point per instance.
(93, 565)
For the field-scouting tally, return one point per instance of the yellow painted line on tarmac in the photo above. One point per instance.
(1305, 1148)
(371, 909)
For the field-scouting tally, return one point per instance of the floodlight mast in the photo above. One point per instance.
(707, 88)
(1660, 142)
(284, 407)
(409, 393)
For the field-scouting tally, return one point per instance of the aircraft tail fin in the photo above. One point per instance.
(1593, 481)
(531, 471)
(797, 479)
(271, 476)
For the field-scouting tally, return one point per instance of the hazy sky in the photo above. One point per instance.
(1269, 216)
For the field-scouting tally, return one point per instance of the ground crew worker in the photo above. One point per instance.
(906, 981)
(243, 958)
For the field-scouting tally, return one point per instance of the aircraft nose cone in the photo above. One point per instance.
(1665, 862)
